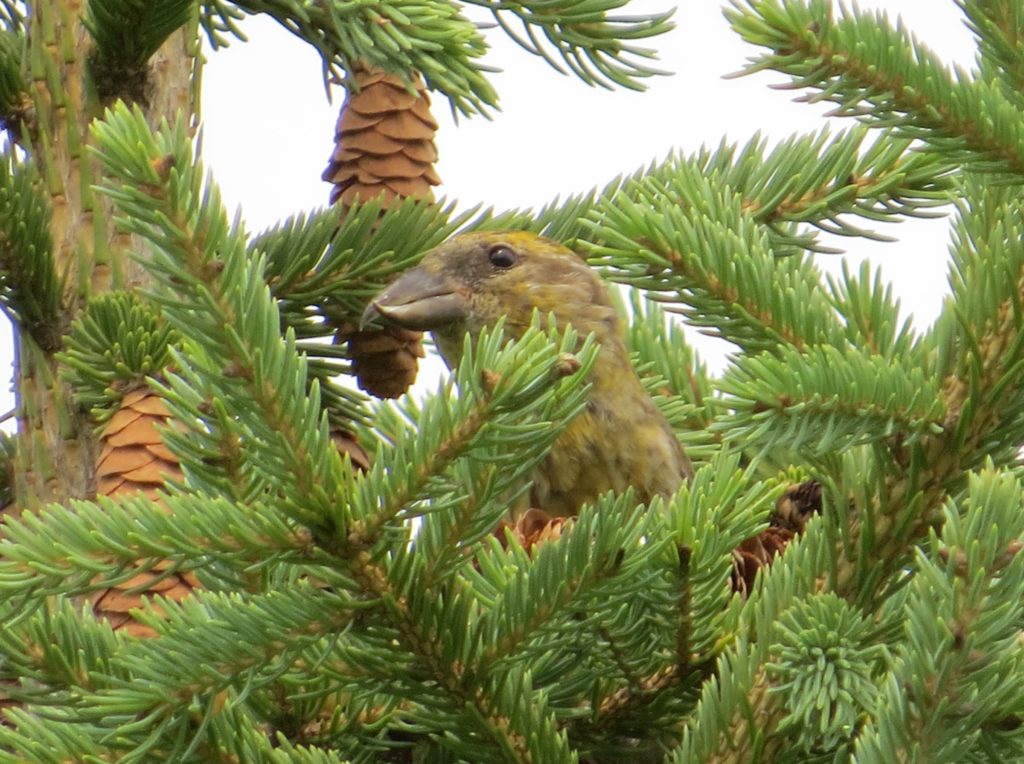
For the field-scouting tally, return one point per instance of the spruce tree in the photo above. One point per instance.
(215, 549)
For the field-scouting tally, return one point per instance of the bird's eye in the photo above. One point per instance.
(501, 256)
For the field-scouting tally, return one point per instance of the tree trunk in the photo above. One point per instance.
(57, 445)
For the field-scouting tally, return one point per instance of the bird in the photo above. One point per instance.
(620, 439)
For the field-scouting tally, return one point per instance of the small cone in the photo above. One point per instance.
(754, 554)
(384, 361)
(384, 144)
(133, 459)
(792, 510)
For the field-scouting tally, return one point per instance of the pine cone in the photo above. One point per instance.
(384, 144)
(133, 459)
(754, 554)
(384, 141)
(384, 361)
(792, 510)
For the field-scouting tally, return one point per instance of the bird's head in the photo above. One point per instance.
(472, 280)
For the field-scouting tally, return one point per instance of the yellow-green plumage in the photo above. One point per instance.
(469, 282)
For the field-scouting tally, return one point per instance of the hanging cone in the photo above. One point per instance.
(133, 459)
(792, 510)
(385, 361)
(384, 141)
(384, 144)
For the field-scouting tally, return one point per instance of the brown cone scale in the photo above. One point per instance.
(348, 444)
(533, 528)
(384, 361)
(792, 511)
(384, 145)
(384, 141)
(133, 459)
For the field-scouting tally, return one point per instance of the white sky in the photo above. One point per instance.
(268, 129)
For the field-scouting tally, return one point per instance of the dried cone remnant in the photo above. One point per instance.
(795, 507)
(792, 510)
(384, 144)
(133, 459)
(754, 554)
(533, 527)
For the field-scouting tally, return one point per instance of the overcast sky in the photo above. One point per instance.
(268, 128)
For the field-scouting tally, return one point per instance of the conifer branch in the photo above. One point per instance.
(721, 507)
(216, 297)
(495, 708)
(495, 383)
(323, 272)
(961, 616)
(37, 738)
(980, 388)
(126, 34)
(737, 712)
(315, 262)
(56, 652)
(584, 564)
(112, 346)
(884, 77)
(213, 457)
(823, 661)
(739, 696)
(671, 371)
(211, 641)
(825, 400)
(29, 287)
(410, 607)
(398, 36)
(985, 394)
(823, 180)
(815, 179)
(999, 27)
(703, 251)
(591, 43)
(81, 548)
(14, 98)
(448, 538)
(871, 314)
